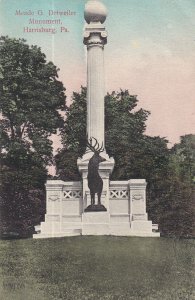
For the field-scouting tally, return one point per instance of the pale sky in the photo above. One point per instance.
(150, 52)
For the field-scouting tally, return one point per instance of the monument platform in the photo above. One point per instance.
(125, 216)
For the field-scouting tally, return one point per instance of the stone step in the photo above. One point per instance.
(56, 235)
(66, 232)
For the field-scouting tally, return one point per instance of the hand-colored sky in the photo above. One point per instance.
(150, 52)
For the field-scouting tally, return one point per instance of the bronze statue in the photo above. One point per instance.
(95, 182)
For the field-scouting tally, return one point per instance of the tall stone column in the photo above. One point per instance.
(95, 38)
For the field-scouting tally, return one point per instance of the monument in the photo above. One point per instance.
(120, 207)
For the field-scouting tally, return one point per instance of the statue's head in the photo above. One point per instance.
(94, 146)
(98, 157)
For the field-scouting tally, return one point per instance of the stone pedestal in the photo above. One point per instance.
(139, 222)
(138, 199)
(64, 206)
(96, 223)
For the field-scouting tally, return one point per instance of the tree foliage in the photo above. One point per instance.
(183, 157)
(134, 152)
(31, 99)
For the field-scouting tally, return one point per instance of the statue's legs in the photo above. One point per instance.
(92, 198)
(99, 198)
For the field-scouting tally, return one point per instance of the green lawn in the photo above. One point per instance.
(97, 268)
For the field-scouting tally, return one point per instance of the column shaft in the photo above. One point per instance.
(95, 92)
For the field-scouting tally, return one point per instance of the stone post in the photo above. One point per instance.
(95, 37)
(139, 217)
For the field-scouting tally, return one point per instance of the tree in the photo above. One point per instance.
(182, 174)
(73, 137)
(183, 157)
(173, 194)
(136, 154)
(31, 101)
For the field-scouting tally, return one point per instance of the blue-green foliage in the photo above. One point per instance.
(31, 98)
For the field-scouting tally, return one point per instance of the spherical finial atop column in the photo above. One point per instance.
(95, 11)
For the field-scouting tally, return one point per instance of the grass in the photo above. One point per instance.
(116, 268)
